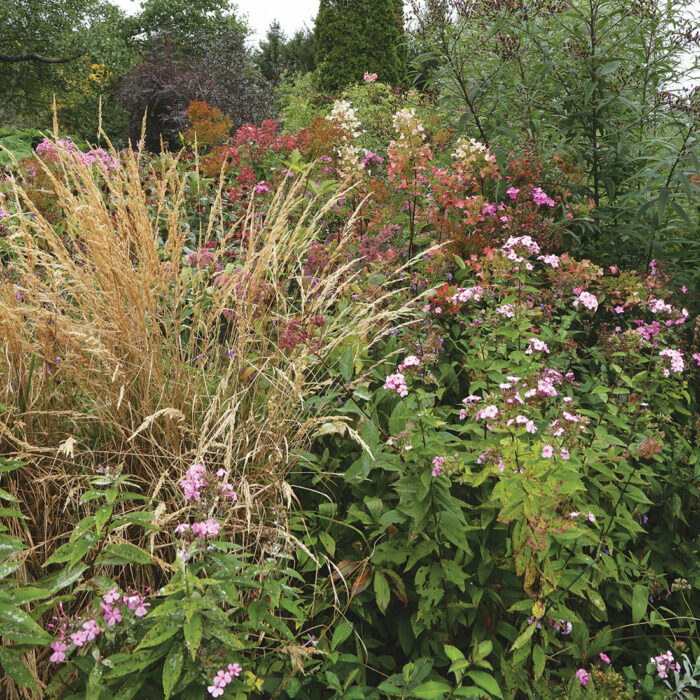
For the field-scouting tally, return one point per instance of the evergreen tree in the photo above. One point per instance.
(272, 56)
(354, 36)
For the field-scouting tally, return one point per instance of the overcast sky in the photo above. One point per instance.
(291, 14)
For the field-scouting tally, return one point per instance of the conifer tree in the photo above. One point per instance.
(354, 36)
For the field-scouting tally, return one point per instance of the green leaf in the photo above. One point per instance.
(524, 637)
(162, 630)
(121, 554)
(639, 602)
(538, 661)
(17, 626)
(102, 515)
(193, 634)
(430, 690)
(342, 632)
(172, 669)
(11, 661)
(486, 681)
(381, 591)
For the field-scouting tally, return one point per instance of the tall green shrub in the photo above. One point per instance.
(355, 36)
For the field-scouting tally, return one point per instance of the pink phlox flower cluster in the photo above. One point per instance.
(369, 77)
(88, 631)
(547, 451)
(225, 486)
(371, 156)
(539, 197)
(506, 310)
(194, 482)
(410, 361)
(512, 192)
(206, 528)
(538, 345)
(530, 427)
(489, 209)
(525, 243)
(551, 260)
(223, 678)
(583, 676)
(111, 614)
(397, 382)
(649, 331)
(676, 358)
(588, 300)
(91, 157)
(490, 411)
(59, 651)
(465, 294)
(665, 663)
(604, 658)
(437, 465)
(261, 187)
(658, 306)
(137, 604)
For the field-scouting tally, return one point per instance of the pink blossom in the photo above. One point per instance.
(182, 527)
(79, 638)
(206, 528)
(539, 197)
(262, 186)
(538, 345)
(512, 192)
(437, 465)
(676, 358)
(397, 382)
(604, 658)
(112, 615)
(59, 652)
(490, 411)
(588, 300)
(194, 482)
(91, 629)
(111, 596)
(564, 454)
(547, 451)
(583, 676)
(370, 77)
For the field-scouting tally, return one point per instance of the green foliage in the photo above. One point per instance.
(601, 80)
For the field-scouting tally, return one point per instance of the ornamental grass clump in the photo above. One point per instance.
(119, 358)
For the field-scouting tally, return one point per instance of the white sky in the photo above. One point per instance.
(291, 14)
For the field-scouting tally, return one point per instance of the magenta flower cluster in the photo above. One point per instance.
(223, 678)
(78, 632)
